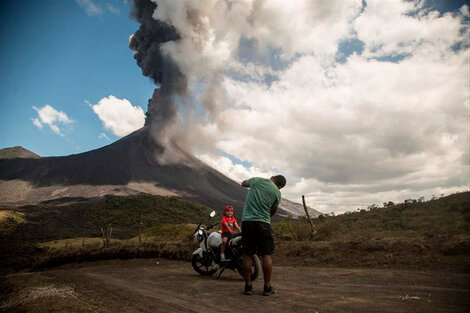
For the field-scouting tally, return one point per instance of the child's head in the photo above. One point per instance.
(228, 210)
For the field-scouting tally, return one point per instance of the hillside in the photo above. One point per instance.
(433, 234)
(24, 228)
(290, 208)
(441, 218)
(133, 164)
(17, 152)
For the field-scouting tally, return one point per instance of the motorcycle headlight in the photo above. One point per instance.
(198, 235)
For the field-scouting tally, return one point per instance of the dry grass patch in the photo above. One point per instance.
(59, 252)
(9, 220)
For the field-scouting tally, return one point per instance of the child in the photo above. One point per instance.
(227, 223)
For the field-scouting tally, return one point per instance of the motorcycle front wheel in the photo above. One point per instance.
(201, 268)
(255, 268)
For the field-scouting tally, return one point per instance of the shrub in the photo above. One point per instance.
(173, 232)
(290, 229)
(329, 229)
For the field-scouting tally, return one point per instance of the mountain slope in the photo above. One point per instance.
(17, 152)
(120, 168)
(296, 209)
(131, 165)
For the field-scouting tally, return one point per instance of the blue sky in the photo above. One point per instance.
(54, 52)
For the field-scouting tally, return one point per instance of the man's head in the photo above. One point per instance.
(279, 181)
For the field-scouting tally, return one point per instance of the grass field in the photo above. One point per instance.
(26, 229)
(444, 218)
(432, 234)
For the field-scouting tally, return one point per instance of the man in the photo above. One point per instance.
(261, 203)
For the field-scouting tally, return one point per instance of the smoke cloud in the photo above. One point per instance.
(195, 45)
(147, 44)
(365, 96)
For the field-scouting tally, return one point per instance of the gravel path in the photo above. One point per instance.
(172, 286)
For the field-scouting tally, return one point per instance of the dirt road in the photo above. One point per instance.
(172, 286)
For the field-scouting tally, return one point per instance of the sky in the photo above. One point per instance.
(355, 102)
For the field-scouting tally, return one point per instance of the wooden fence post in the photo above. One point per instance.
(108, 235)
(308, 216)
(104, 238)
(140, 228)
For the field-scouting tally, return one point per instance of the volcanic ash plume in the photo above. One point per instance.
(184, 45)
(199, 47)
(147, 43)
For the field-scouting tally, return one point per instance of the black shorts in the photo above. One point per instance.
(227, 234)
(257, 238)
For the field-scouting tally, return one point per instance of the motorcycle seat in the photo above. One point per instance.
(235, 239)
(236, 235)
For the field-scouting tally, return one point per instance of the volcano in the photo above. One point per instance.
(129, 165)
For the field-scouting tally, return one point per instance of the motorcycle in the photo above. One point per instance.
(206, 259)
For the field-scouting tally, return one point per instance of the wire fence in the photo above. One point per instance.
(351, 204)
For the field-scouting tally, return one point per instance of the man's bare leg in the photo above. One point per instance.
(247, 262)
(267, 269)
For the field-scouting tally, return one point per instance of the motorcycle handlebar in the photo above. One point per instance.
(207, 227)
(197, 227)
(211, 226)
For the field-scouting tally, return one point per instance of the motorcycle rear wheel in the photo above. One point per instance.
(255, 268)
(196, 262)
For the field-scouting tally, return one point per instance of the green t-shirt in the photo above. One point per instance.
(262, 196)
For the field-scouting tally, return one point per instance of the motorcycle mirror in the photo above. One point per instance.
(212, 214)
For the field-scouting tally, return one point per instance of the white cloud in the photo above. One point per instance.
(52, 118)
(393, 29)
(36, 123)
(103, 135)
(377, 125)
(363, 131)
(91, 8)
(113, 9)
(237, 172)
(119, 116)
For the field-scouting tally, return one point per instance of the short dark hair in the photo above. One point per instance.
(280, 181)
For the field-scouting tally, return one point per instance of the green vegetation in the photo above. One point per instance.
(9, 221)
(123, 213)
(415, 234)
(448, 217)
(171, 232)
(67, 220)
(61, 219)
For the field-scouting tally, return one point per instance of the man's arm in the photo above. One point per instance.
(274, 209)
